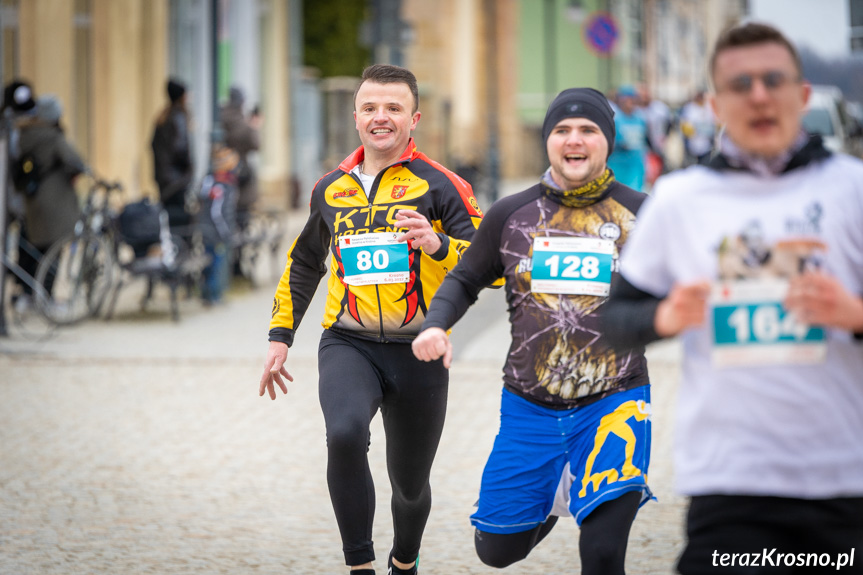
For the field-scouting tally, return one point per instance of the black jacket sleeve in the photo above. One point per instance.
(627, 315)
(479, 267)
(305, 267)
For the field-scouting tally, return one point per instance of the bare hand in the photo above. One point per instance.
(274, 369)
(419, 231)
(431, 344)
(819, 299)
(685, 306)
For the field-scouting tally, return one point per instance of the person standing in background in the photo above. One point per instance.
(658, 117)
(51, 206)
(216, 220)
(698, 125)
(173, 168)
(629, 155)
(19, 106)
(242, 135)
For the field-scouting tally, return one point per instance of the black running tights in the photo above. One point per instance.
(602, 544)
(356, 378)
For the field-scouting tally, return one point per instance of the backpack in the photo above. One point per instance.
(139, 225)
(26, 175)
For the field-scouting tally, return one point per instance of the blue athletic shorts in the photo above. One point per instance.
(552, 462)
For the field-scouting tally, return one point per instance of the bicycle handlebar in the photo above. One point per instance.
(109, 186)
(100, 183)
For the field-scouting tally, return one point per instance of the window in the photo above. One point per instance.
(818, 121)
(856, 16)
(9, 56)
(79, 109)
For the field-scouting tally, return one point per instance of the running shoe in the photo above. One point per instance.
(393, 570)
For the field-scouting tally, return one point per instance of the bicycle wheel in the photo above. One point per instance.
(77, 273)
(25, 315)
(248, 249)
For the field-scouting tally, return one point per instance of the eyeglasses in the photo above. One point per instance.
(773, 80)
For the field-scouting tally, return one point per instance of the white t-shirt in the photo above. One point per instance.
(785, 430)
(657, 115)
(703, 124)
(366, 180)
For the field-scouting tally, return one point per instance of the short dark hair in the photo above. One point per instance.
(389, 74)
(749, 34)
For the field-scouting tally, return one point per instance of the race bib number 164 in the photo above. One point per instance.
(751, 327)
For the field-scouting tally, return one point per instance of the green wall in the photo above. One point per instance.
(553, 55)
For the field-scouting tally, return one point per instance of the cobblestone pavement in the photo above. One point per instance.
(140, 446)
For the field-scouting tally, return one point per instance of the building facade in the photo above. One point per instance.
(108, 62)
(487, 70)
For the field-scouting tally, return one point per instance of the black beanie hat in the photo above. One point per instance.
(581, 103)
(18, 96)
(176, 89)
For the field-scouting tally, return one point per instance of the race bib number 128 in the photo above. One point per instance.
(580, 266)
(374, 259)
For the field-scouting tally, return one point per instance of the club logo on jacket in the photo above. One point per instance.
(398, 192)
(346, 193)
(609, 231)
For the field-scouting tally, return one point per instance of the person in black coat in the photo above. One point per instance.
(172, 155)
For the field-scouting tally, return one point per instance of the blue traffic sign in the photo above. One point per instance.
(601, 33)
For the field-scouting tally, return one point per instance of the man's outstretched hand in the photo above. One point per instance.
(274, 370)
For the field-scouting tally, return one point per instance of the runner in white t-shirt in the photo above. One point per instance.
(698, 124)
(756, 261)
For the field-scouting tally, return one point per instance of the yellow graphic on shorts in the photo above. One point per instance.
(615, 422)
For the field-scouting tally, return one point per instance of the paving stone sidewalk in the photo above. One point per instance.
(128, 463)
(140, 446)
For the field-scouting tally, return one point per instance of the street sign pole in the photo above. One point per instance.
(601, 34)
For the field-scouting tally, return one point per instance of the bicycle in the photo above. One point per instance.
(78, 270)
(28, 312)
(263, 233)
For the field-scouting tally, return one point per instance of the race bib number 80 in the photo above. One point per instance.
(751, 327)
(374, 259)
(580, 266)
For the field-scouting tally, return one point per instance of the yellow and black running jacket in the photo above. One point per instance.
(339, 207)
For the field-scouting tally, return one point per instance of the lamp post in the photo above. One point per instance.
(216, 135)
(4, 187)
(493, 158)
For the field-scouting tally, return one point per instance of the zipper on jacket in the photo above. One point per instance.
(370, 196)
(371, 199)
(381, 338)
